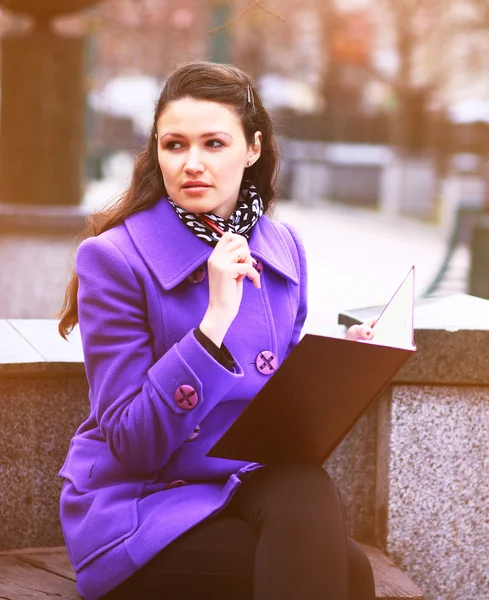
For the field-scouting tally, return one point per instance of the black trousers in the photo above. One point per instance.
(281, 537)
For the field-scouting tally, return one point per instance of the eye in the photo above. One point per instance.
(173, 145)
(214, 144)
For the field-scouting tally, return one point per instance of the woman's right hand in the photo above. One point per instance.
(229, 263)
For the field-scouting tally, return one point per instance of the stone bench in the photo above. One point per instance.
(43, 393)
(363, 174)
(431, 501)
(43, 572)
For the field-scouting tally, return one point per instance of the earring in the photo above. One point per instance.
(249, 163)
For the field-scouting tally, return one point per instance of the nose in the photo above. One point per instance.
(193, 162)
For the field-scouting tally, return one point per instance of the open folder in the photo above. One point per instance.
(321, 390)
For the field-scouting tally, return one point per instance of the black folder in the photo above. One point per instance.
(312, 401)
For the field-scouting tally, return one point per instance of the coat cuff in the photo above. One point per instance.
(189, 363)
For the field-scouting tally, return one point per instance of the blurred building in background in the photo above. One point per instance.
(390, 72)
(383, 104)
(410, 77)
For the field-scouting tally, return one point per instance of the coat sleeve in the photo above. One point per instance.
(298, 252)
(133, 393)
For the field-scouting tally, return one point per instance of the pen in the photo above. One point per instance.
(212, 225)
(216, 229)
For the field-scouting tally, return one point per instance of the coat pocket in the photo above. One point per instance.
(98, 502)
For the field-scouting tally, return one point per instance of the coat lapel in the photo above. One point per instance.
(167, 246)
(268, 244)
(172, 252)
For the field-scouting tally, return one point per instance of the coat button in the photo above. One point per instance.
(198, 275)
(266, 362)
(258, 266)
(186, 397)
(175, 484)
(194, 434)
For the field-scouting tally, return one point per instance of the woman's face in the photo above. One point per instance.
(202, 152)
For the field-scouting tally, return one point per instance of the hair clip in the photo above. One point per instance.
(249, 97)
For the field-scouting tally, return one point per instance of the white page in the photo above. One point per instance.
(395, 325)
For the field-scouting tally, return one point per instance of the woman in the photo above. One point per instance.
(181, 289)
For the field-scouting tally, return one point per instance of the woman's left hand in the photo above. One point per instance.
(361, 332)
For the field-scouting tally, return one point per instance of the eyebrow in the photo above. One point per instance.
(210, 134)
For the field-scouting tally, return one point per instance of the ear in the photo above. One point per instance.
(254, 151)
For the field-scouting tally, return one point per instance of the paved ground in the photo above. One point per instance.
(357, 257)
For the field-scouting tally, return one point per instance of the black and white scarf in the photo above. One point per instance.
(241, 221)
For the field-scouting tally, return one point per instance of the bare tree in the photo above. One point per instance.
(248, 30)
(418, 30)
(421, 31)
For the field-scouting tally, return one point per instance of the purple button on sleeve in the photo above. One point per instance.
(186, 397)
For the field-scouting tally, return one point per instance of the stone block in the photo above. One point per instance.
(39, 415)
(44, 398)
(432, 487)
(432, 494)
(352, 467)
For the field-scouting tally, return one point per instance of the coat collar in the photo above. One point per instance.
(173, 252)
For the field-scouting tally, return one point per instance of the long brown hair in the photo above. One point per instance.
(202, 81)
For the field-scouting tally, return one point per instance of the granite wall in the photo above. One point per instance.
(432, 490)
(43, 398)
(39, 414)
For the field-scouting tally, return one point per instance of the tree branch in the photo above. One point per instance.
(379, 76)
(254, 4)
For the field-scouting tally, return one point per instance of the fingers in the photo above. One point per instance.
(237, 246)
(366, 332)
(253, 275)
(235, 250)
(361, 332)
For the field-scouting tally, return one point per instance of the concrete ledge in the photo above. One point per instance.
(452, 338)
(34, 347)
(23, 218)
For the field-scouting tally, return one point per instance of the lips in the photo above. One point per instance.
(189, 185)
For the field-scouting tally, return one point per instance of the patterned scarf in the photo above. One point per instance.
(241, 221)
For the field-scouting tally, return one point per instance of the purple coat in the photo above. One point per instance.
(138, 310)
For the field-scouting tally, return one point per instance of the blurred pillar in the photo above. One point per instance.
(42, 109)
(220, 15)
(479, 259)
